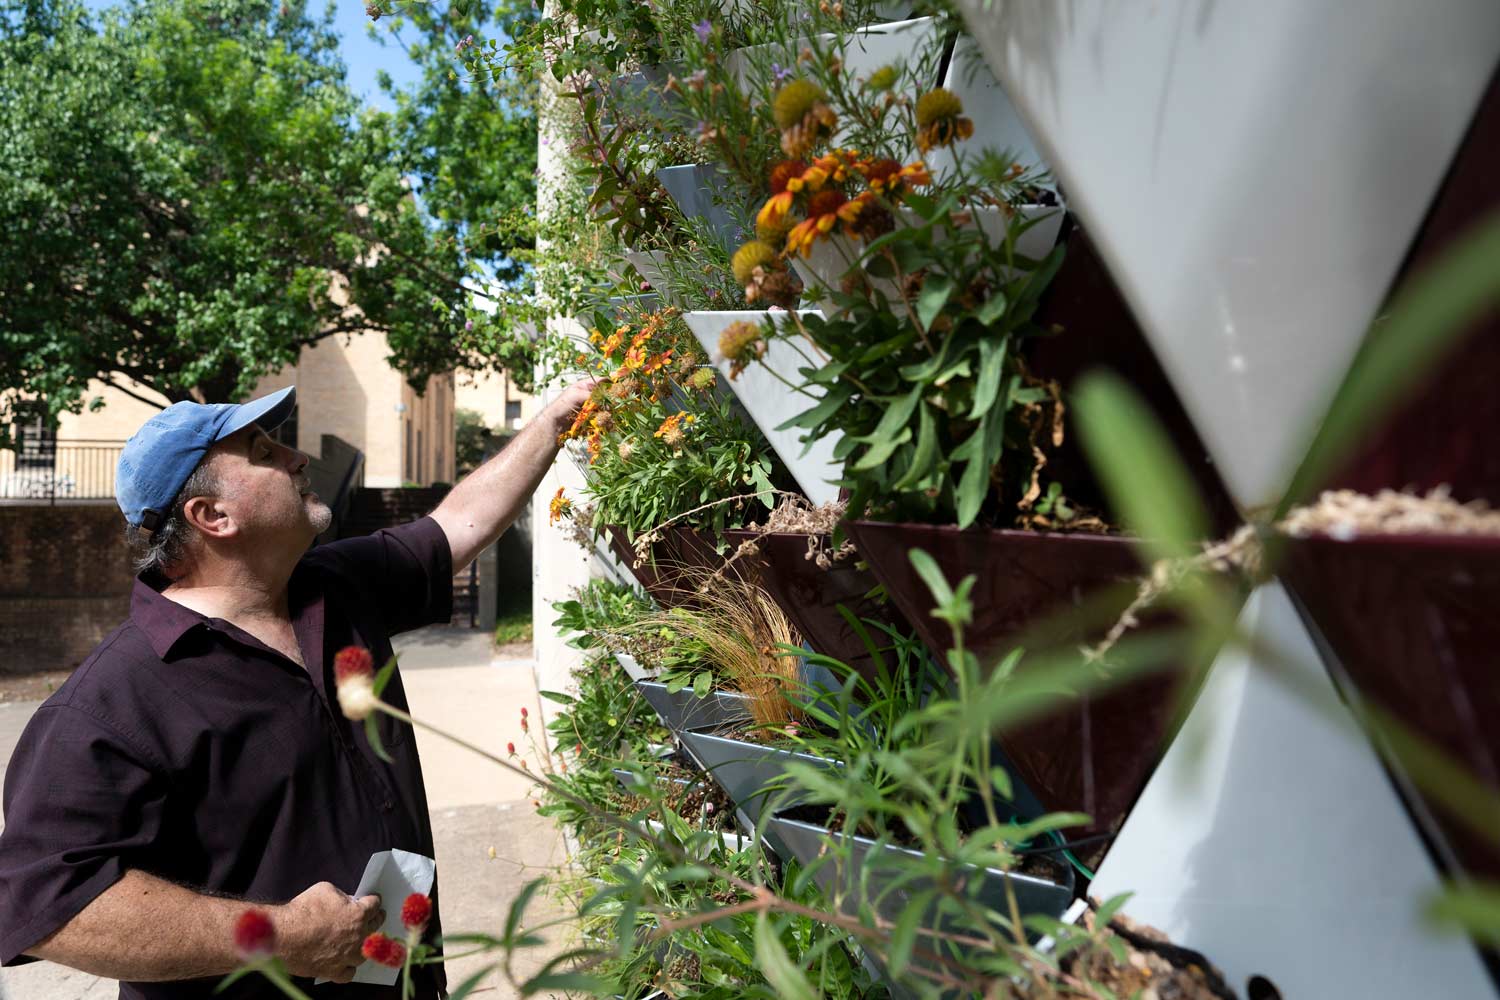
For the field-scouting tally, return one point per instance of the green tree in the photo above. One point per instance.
(189, 194)
(467, 128)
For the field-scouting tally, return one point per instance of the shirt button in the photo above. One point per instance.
(387, 805)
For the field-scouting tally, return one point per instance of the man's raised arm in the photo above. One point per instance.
(484, 504)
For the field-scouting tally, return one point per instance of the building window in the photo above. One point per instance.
(406, 458)
(36, 438)
(286, 432)
(421, 475)
(512, 412)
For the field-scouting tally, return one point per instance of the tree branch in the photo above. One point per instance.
(109, 378)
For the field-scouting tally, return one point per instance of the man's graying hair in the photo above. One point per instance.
(168, 544)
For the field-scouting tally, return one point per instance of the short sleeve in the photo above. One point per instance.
(405, 571)
(80, 805)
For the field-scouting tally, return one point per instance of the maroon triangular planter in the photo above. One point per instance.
(810, 595)
(680, 550)
(1411, 624)
(1094, 755)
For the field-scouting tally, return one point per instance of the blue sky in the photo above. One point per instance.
(362, 55)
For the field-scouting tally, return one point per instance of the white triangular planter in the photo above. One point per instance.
(997, 124)
(832, 257)
(862, 52)
(1271, 838)
(1252, 172)
(771, 403)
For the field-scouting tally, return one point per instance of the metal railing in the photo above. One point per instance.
(62, 470)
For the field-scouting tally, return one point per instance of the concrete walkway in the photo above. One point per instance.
(452, 680)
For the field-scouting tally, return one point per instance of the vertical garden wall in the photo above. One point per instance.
(967, 381)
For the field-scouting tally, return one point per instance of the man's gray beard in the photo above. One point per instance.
(320, 516)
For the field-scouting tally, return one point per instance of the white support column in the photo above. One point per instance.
(558, 566)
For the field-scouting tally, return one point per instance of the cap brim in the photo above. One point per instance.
(267, 411)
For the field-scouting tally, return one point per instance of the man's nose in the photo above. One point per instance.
(296, 460)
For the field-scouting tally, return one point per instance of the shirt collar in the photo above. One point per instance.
(162, 619)
(165, 622)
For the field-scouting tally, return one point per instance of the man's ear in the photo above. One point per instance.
(209, 518)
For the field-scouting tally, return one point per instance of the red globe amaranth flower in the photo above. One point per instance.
(254, 934)
(523, 711)
(384, 951)
(352, 661)
(416, 911)
(510, 748)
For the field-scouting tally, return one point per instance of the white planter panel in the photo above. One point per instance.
(1271, 839)
(1253, 172)
(997, 123)
(770, 403)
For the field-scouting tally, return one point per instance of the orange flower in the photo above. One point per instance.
(559, 507)
(657, 363)
(670, 430)
(774, 211)
(889, 176)
(580, 421)
(823, 212)
(612, 345)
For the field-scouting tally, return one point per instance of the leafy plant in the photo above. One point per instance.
(660, 442)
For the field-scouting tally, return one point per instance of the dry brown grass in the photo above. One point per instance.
(740, 629)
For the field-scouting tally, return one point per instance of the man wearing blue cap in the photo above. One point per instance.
(195, 761)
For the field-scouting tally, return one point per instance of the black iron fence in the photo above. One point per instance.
(60, 470)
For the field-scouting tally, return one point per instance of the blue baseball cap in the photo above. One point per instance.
(160, 457)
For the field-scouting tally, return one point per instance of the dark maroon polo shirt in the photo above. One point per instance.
(185, 747)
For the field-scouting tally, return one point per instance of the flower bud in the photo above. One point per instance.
(254, 935)
(384, 951)
(415, 912)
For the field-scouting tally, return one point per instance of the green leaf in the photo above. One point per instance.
(898, 415)
(1474, 909)
(776, 965)
(932, 575)
(578, 982)
(904, 934)
(384, 677)
(992, 309)
(973, 487)
(992, 354)
(832, 400)
(926, 454)
(372, 733)
(934, 295)
(517, 911)
(1435, 309)
(1140, 471)
(881, 450)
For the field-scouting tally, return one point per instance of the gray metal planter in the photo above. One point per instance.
(805, 842)
(692, 188)
(682, 710)
(751, 774)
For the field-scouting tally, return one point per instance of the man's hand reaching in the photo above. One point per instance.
(565, 407)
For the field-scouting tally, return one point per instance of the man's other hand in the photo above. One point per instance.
(320, 933)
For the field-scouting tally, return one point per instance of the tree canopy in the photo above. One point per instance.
(190, 193)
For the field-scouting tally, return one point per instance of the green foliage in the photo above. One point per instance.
(940, 419)
(471, 438)
(181, 186)
(661, 443)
